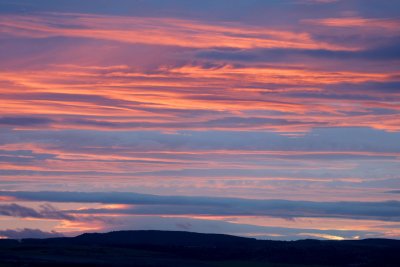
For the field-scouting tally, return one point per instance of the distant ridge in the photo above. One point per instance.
(149, 237)
(185, 238)
(176, 248)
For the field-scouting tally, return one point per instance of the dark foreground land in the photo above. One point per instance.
(178, 249)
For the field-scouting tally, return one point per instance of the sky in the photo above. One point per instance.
(261, 118)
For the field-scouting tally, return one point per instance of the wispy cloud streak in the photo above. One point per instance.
(158, 31)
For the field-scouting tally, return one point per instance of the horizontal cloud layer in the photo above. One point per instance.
(46, 212)
(185, 205)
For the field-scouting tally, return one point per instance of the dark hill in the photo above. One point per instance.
(164, 248)
(152, 238)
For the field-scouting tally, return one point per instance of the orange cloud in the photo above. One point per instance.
(390, 24)
(159, 31)
(219, 98)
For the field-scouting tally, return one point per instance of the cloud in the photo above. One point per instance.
(222, 123)
(28, 233)
(156, 31)
(24, 121)
(385, 52)
(323, 140)
(46, 211)
(358, 22)
(393, 192)
(185, 205)
(318, 1)
(384, 211)
(203, 95)
(361, 158)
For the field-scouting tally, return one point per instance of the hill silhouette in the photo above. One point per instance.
(174, 248)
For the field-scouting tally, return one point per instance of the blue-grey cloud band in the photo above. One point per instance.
(190, 205)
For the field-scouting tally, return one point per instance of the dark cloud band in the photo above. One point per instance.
(185, 205)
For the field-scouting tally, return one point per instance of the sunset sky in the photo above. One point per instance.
(275, 119)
